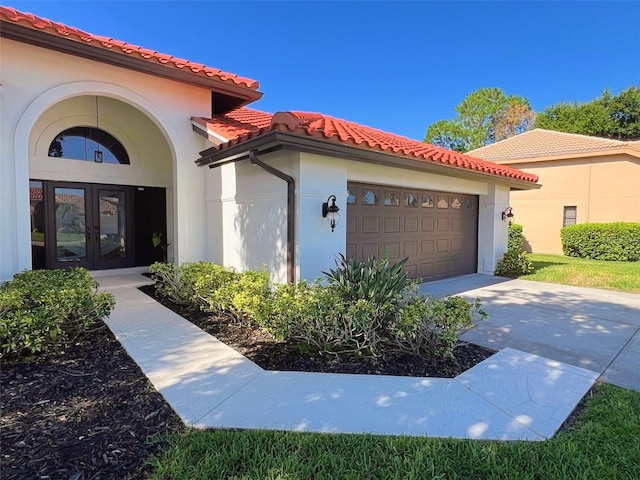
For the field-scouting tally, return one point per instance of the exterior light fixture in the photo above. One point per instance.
(330, 212)
(97, 154)
(508, 215)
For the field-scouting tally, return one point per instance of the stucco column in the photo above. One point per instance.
(318, 246)
(492, 231)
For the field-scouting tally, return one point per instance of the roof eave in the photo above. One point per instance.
(272, 140)
(568, 156)
(235, 95)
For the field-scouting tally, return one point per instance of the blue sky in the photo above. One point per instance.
(397, 66)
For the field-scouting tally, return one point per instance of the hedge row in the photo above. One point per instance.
(364, 308)
(602, 241)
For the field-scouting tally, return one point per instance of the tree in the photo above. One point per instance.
(485, 116)
(515, 119)
(607, 116)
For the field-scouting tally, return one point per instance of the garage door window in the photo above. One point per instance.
(369, 197)
(351, 198)
(427, 201)
(456, 203)
(391, 199)
(410, 200)
(443, 202)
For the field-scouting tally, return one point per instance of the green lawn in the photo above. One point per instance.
(604, 444)
(620, 276)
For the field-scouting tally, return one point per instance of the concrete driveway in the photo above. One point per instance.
(586, 327)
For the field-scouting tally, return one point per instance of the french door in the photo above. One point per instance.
(89, 225)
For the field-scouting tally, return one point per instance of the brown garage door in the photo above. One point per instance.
(437, 231)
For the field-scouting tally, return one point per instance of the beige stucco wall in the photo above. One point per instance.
(604, 189)
(150, 115)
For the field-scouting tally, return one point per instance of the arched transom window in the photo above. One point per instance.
(88, 144)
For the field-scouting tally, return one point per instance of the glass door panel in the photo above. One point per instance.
(87, 225)
(113, 224)
(70, 208)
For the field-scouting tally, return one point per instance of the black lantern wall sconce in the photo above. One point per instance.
(97, 154)
(330, 212)
(508, 215)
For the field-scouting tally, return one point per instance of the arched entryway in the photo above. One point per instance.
(100, 185)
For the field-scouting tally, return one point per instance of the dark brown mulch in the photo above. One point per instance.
(85, 412)
(271, 354)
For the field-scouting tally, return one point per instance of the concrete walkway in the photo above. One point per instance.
(512, 395)
(590, 328)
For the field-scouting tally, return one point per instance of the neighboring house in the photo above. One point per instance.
(584, 180)
(118, 144)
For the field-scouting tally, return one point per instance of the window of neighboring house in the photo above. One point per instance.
(88, 144)
(570, 216)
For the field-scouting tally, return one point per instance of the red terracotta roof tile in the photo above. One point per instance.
(236, 122)
(242, 124)
(29, 20)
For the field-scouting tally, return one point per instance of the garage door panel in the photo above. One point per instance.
(443, 224)
(410, 248)
(441, 267)
(352, 224)
(428, 224)
(425, 270)
(370, 224)
(392, 250)
(427, 247)
(411, 224)
(391, 224)
(351, 250)
(412, 270)
(436, 231)
(370, 250)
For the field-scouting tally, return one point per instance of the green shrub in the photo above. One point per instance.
(366, 309)
(190, 283)
(338, 326)
(516, 237)
(433, 326)
(294, 303)
(602, 241)
(41, 309)
(370, 280)
(514, 263)
(246, 295)
(214, 288)
(429, 327)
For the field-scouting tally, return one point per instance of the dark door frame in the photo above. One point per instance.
(93, 258)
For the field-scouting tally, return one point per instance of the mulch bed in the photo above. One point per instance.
(271, 354)
(88, 412)
(85, 412)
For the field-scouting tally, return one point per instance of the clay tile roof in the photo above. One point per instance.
(33, 22)
(547, 143)
(236, 123)
(242, 124)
